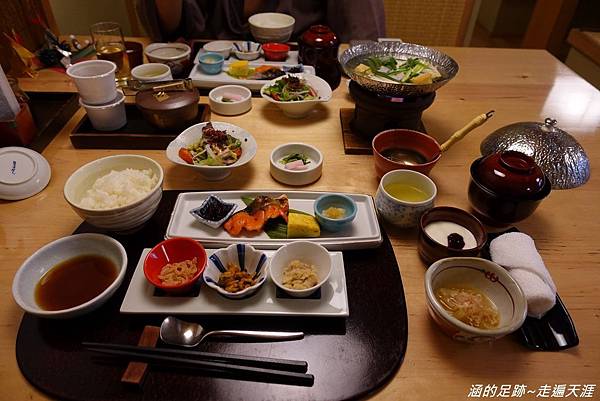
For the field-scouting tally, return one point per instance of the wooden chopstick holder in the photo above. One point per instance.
(136, 371)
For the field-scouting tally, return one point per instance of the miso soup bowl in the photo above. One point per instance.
(489, 278)
(60, 250)
(400, 212)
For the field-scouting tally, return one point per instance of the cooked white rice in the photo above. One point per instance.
(119, 188)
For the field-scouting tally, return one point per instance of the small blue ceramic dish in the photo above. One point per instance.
(211, 63)
(247, 258)
(330, 204)
(213, 211)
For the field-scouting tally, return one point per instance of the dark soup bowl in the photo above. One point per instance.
(396, 149)
(506, 187)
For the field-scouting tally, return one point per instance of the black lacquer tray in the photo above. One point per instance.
(350, 357)
(555, 331)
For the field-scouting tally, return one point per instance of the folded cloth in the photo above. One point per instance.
(517, 253)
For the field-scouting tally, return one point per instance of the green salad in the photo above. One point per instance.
(290, 89)
(215, 148)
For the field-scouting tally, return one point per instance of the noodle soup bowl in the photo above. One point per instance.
(486, 277)
(248, 259)
(174, 250)
(301, 108)
(123, 218)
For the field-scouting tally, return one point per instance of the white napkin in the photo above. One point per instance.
(517, 253)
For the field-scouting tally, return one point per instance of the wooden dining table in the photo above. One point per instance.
(520, 85)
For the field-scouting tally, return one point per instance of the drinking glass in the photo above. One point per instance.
(110, 45)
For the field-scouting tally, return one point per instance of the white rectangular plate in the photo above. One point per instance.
(362, 233)
(202, 80)
(333, 302)
(292, 58)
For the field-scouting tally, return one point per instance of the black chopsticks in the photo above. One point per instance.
(244, 367)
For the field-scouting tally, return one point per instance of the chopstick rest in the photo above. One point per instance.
(136, 371)
(516, 252)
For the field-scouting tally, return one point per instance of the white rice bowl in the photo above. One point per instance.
(116, 201)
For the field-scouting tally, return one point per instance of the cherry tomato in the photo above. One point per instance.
(186, 155)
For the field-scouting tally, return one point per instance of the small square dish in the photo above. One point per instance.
(213, 211)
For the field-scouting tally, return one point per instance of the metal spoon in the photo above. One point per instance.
(178, 332)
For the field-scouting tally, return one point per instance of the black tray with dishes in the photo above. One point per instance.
(555, 331)
(349, 357)
(136, 134)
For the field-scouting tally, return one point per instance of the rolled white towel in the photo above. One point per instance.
(517, 253)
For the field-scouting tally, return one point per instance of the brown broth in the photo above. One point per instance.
(404, 156)
(74, 282)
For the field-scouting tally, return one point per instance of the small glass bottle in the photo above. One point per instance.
(318, 46)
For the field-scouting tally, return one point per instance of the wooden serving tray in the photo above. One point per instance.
(349, 357)
(356, 143)
(136, 134)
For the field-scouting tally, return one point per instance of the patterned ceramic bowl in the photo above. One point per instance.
(489, 278)
(247, 258)
(403, 196)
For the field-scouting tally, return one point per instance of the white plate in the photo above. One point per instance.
(203, 80)
(23, 173)
(333, 302)
(362, 233)
(291, 60)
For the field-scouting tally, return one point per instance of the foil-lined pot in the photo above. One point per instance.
(358, 53)
(558, 154)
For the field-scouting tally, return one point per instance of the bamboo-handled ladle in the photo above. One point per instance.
(460, 134)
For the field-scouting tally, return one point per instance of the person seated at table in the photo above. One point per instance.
(228, 19)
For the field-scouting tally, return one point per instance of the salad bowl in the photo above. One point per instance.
(212, 167)
(317, 89)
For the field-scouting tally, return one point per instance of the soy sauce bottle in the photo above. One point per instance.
(318, 46)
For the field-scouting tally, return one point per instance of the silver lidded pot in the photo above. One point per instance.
(559, 155)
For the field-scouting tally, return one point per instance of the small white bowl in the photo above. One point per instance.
(152, 72)
(107, 117)
(164, 52)
(243, 255)
(488, 277)
(45, 258)
(193, 135)
(248, 50)
(117, 219)
(296, 177)
(304, 251)
(25, 173)
(230, 108)
(271, 27)
(222, 47)
(300, 109)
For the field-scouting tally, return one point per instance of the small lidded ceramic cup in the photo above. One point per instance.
(403, 196)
